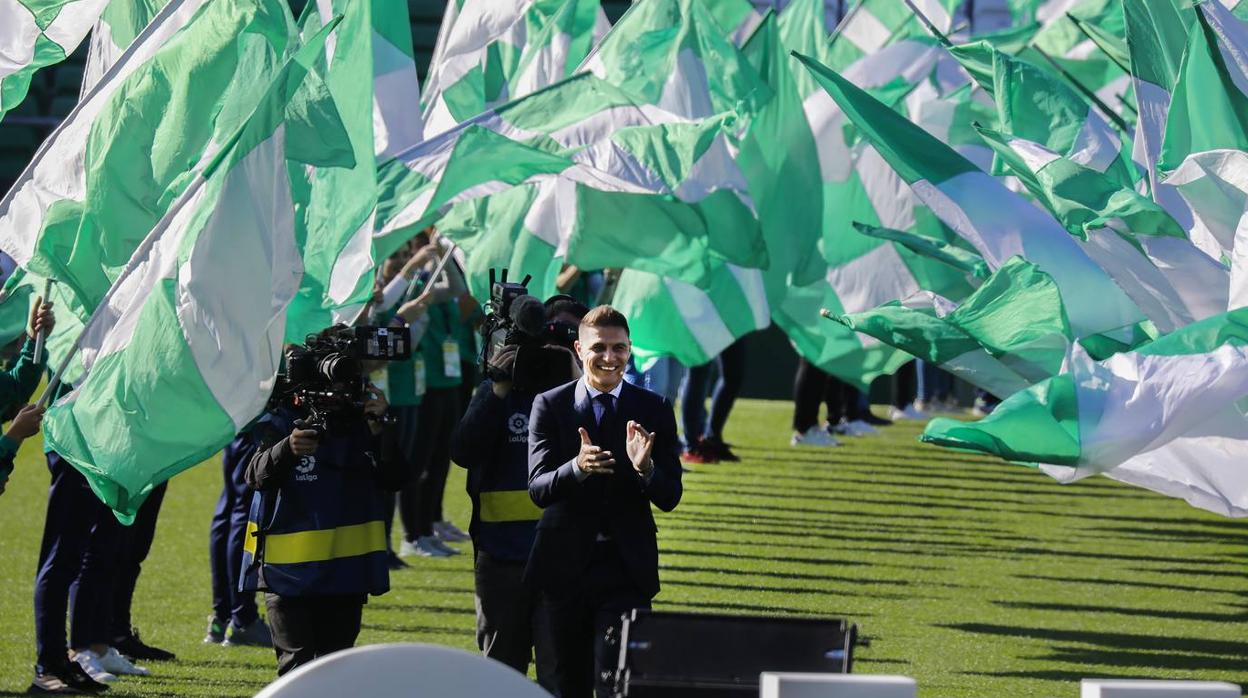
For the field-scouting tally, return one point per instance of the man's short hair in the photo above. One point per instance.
(605, 316)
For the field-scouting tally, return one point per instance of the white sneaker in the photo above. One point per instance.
(427, 546)
(841, 428)
(115, 663)
(814, 436)
(896, 414)
(90, 663)
(922, 405)
(949, 405)
(408, 549)
(862, 428)
(449, 533)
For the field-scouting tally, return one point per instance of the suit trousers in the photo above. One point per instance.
(582, 613)
(308, 627)
(512, 622)
(226, 536)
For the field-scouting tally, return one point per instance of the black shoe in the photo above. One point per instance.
(394, 562)
(64, 678)
(719, 450)
(131, 646)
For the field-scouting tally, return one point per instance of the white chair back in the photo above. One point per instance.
(407, 670)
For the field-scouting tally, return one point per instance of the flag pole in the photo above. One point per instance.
(944, 40)
(849, 17)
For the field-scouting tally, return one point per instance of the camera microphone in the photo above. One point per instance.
(528, 314)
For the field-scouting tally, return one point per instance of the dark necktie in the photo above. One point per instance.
(607, 400)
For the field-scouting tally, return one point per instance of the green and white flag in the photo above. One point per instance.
(38, 33)
(372, 77)
(118, 26)
(1034, 105)
(1167, 416)
(1205, 151)
(668, 317)
(1061, 39)
(110, 170)
(998, 223)
(481, 52)
(1132, 238)
(1156, 35)
(671, 54)
(1010, 333)
(560, 46)
(180, 356)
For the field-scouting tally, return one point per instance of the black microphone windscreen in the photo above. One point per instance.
(529, 315)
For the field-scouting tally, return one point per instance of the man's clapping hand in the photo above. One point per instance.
(592, 460)
(640, 444)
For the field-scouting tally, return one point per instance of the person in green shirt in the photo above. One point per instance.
(16, 386)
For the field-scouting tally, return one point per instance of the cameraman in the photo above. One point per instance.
(317, 524)
(491, 441)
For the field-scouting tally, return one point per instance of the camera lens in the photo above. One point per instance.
(339, 368)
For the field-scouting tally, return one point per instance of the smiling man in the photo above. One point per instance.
(601, 451)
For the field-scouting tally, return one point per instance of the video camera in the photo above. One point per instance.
(515, 318)
(326, 375)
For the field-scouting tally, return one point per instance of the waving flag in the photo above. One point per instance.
(1166, 417)
(180, 356)
(38, 33)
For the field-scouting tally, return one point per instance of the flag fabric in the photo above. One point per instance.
(1156, 34)
(1034, 105)
(560, 46)
(118, 26)
(1077, 55)
(35, 34)
(370, 72)
(1009, 334)
(998, 223)
(1204, 154)
(1134, 240)
(180, 357)
(108, 172)
(669, 317)
(595, 157)
(1166, 416)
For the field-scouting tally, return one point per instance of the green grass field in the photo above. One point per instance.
(976, 578)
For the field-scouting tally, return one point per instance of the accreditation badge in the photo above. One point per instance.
(450, 359)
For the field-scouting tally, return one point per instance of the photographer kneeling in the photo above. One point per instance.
(324, 461)
(528, 349)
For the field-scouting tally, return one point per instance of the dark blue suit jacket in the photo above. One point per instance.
(617, 505)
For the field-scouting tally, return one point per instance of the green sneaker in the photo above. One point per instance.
(216, 632)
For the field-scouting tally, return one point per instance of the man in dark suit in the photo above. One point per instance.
(600, 452)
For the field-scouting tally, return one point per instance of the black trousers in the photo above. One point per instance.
(79, 546)
(905, 385)
(581, 614)
(307, 627)
(420, 502)
(512, 622)
(136, 543)
(812, 386)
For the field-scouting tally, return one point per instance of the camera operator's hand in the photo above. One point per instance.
(592, 460)
(26, 423)
(303, 442)
(41, 318)
(375, 406)
(504, 364)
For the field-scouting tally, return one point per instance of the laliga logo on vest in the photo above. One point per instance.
(306, 465)
(519, 423)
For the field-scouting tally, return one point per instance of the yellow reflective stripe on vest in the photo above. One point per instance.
(317, 546)
(508, 505)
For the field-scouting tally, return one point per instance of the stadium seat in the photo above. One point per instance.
(402, 670)
(1103, 688)
(794, 685)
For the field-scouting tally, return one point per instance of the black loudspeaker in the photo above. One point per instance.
(666, 655)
